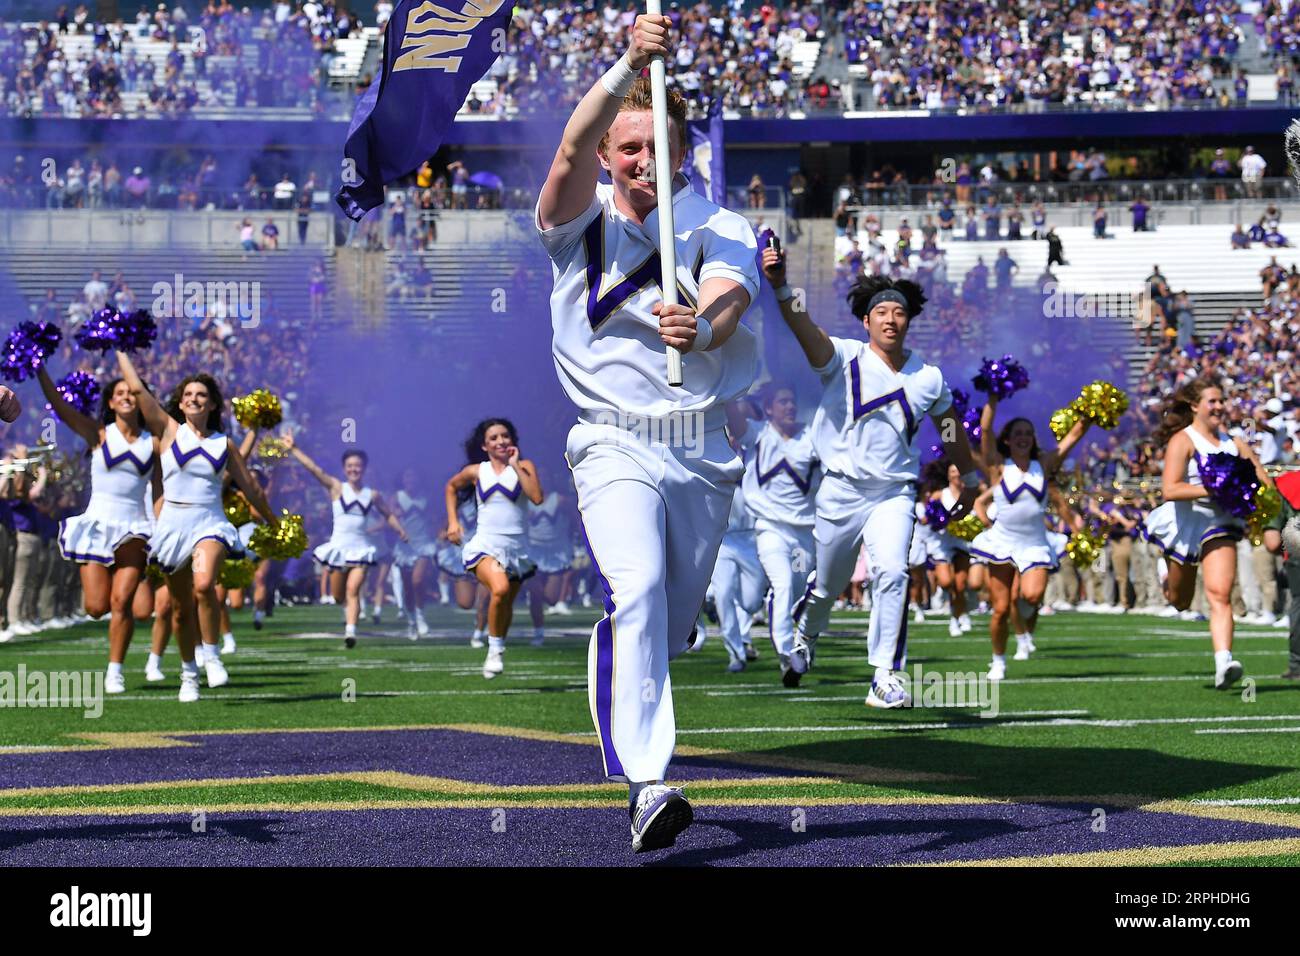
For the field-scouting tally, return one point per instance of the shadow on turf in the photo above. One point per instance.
(256, 831)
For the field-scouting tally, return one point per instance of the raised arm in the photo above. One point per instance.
(247, 444)
(958, 452)
(155, 416)
(737, 419)
(812, 338)
(85, 426)
(1062, 504)
(571, 182)
(988, 441)
(248, 484)
(329, 481)
(462, 479)
(1052, 459)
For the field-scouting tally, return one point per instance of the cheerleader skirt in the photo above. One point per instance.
(347, 551)
(995, 545)
(506, 550)
(1181, 530)
(182, 526)
(407, 553)
(553, 558)
(93, 536)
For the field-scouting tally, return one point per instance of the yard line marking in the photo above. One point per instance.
(1252, 730)
(1109, 723)
(1251, 802)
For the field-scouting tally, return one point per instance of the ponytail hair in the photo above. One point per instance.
(1178, 411)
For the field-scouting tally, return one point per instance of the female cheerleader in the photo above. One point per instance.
(864, 431)
(414, 557)
(232, 599)
(1189, 527)
(381, 534)
(950, 554)
(466, 590)
(192, 536)
(110, 539)
(496, 553)
(782, 474)
(1017, 541)
(351, 550)
(550, 546)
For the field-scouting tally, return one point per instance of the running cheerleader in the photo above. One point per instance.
(232, 599)
(780, 487)
(465, 589)
(414, 557)
(1190, 528)
(351, 550)
(192, 535)
(949, 553)
(110, 539)
(865, 429)
(503, 484)
(1017, 541)
(550, 545)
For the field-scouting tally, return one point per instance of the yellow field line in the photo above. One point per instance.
(1145, 856)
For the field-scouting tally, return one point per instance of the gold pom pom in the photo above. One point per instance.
(236, 508)
(1268, 505)
(272, 450)
(967, 528)
(1063, 420)
(1084, 548)
(289, 540)
(258, 409)
(1101, 403)
(154, 575)
(237, 573)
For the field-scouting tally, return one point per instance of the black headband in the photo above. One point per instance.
(887, 295)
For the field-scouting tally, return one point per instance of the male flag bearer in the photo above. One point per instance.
(651, 463)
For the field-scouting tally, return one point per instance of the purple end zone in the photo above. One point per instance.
(478, 758)
(722, 836)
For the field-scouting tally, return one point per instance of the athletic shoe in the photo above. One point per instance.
(659, 815)
(1292, 673)
(216, 671)
(586, 600)
(493, 665)
(803, 653)
(537, 641)
(154, 674)
(349, 642)
(1227, 675)
(736, 666)
(421, 625)
(888, 694)
(22, 628)
(376, 616)
(1167, 611)
(997, 670)
(228, 644)
(114, 684)
(412, 634)
(965, 623)
(1190, 615)
(751, 654)
(954, 627)
(983, 608)
(839, 605)
(561, 608)
(1061, 606)
(1024, 648)
(917, 614)
(477, 642)
(1283, 623)
(711, 611)
(6, 636)
(189, 687)
(1266, 618)
(257, 620)
(328, 599)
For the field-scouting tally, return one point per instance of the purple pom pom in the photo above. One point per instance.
(971, 422)
(1001, 378)
(27, 348)
(135, 330)
(936, 515)
(96, 333)
(80, 390)
(960, 402)
(1231, 482)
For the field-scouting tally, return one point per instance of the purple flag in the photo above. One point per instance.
(704, 165)
(433, 54)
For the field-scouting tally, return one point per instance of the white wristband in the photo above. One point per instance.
(618, 78)
(703, 335)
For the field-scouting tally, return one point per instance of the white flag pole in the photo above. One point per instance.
(664, 190)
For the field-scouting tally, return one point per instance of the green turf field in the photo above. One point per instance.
(1118, 709)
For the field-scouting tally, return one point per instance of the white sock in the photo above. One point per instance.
(155, 661)
(200, 654)
(1222, 657)
(212, 652)
(444, 592)
(883, 675)
(228, 636)
(1000, 659)
(114, 669)
(190, 667)
(350, 630)
(478, 634)
(496, 645)
(1021, 638)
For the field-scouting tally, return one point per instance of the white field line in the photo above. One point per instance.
(1251, 802)
(1252, 730)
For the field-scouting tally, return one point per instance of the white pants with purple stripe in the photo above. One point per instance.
(738, 588)
(881, 518)
(786, 553)
(653, 516)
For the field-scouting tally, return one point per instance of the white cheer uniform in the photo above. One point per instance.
(781, 480)
(116, 513)
(350, 545)
(1018, 536)
(502, 532)
(192, 470)
(550, 535)
(451, 557)
(413, 513)
(653, 470)
(738, 581)
(1181, 529)
(865, 434)
(949, 542)
(928, 547)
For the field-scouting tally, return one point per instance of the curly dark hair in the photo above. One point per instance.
(860, 295)
(1177, 412)
(934, 476)
(215, 421)
(474, 452)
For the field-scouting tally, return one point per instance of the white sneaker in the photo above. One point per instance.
(1227, 675)
(421, 626)
(997, 670)
(412, 632)
(1283, 623)
(189, 687)
(154, 674)
(660, 814)
(114, 684)
(6, 635)
(328, 599)
(377, 615)
(561, 608)
(586, 600)
(493, 666)
(964, 620)
(228, 644)
(1024, 647)
(1167, 611)
(1188, 615)
(1062, 605)
(1085, 606)
(22, 628)
(1266, 618)
(954, 627)
(216, 671)
(888, 694)
(477, 641)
